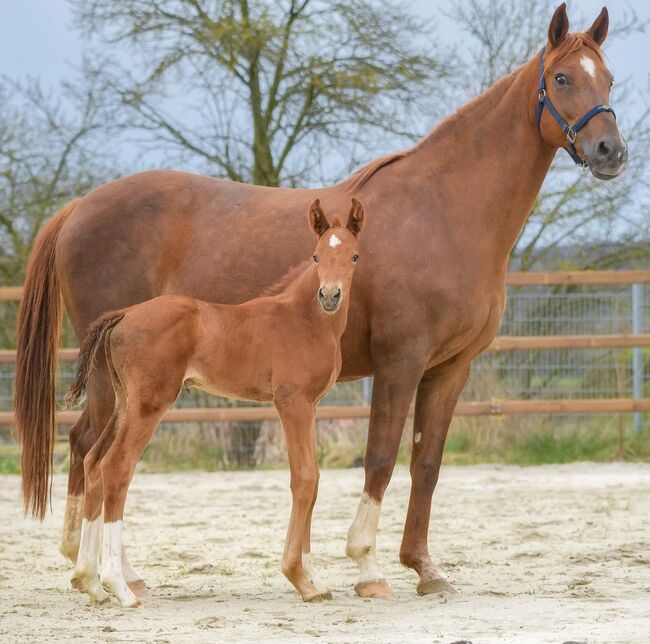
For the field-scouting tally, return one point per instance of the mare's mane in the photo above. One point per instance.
(571, 43)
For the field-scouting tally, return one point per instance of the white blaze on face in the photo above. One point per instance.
(362, 539)
(334, 241)
(588, 65)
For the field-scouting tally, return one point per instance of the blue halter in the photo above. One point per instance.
(570, 131)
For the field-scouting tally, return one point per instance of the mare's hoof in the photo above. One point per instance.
(139, 589)
(378, 588)
(435, 586)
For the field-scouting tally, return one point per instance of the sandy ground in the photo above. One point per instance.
(543, 554)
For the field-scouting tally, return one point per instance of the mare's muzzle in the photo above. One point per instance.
(330, 298)
(607, 157)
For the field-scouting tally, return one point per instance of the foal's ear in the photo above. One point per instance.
(598, 31)
(559, 26)
(317, 218)
(356, 217)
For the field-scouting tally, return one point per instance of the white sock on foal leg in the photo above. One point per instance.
(112, 575)
(362, 540)
(86, 567)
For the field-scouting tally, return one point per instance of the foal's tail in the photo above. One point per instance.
(91, 343)
(39, 327)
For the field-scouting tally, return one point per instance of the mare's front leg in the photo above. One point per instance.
(298, 418)
(394, 385)
(436, 399)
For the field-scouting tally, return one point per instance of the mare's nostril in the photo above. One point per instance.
(321, 294)
(337, 295)
(604, 149)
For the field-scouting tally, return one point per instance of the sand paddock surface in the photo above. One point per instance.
(540, 554)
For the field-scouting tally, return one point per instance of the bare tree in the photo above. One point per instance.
(47, 157)
(248, 87)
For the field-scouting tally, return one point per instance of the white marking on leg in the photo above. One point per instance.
(112, 576)
(321, 587)
(334, 241)
(362, 539)
(417, 437)
(86, 567)
(588, 65)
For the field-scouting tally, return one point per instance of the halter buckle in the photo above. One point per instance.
(541, 94)
(571, 135)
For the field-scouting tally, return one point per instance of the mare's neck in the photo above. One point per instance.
(302, 294)
(484, 166)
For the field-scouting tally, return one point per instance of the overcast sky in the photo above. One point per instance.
(37, 38)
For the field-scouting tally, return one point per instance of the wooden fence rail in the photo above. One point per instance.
(480, 408)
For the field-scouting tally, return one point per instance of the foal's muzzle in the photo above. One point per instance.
(330, 299)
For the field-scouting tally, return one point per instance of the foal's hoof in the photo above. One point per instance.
(378, 588)
(139, 588)
(435, 586)
(321, 596)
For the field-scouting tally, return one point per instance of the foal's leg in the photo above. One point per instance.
(435, 402)
(83, 435)
(392, 393)
(85, 575)
(306, 546)
(117, 468)
(298, 426)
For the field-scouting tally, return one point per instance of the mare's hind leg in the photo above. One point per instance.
(85, 575)
(298, 426)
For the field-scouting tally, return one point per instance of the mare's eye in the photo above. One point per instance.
(315, 258)
(355, 258)
(611, 83)
(561, 79)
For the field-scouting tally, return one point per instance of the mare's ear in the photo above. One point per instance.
(317, 218)
(598, 31)
(559, 26)
(356, 217)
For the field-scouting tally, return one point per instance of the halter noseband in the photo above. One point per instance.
(570, 131)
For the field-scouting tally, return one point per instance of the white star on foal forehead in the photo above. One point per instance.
(334, 241)
(588, 65)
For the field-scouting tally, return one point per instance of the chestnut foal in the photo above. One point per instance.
(283, 348)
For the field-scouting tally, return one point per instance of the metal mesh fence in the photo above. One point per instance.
(540, 310)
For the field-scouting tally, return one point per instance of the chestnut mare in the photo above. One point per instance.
(284, 348)
(427, 299)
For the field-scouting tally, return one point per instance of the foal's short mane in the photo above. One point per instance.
(278, 287)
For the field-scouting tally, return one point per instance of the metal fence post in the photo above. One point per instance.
(367, 390)
(637, 352)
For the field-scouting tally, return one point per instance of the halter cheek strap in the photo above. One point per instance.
(570, 131)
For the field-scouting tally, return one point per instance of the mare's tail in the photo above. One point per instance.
(39, 327)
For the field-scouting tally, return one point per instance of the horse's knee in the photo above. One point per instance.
(424, 473)
(305, 485)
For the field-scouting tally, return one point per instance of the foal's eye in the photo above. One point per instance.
(355, 258)
(561, 79)
(315, 258)
(611, 83)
